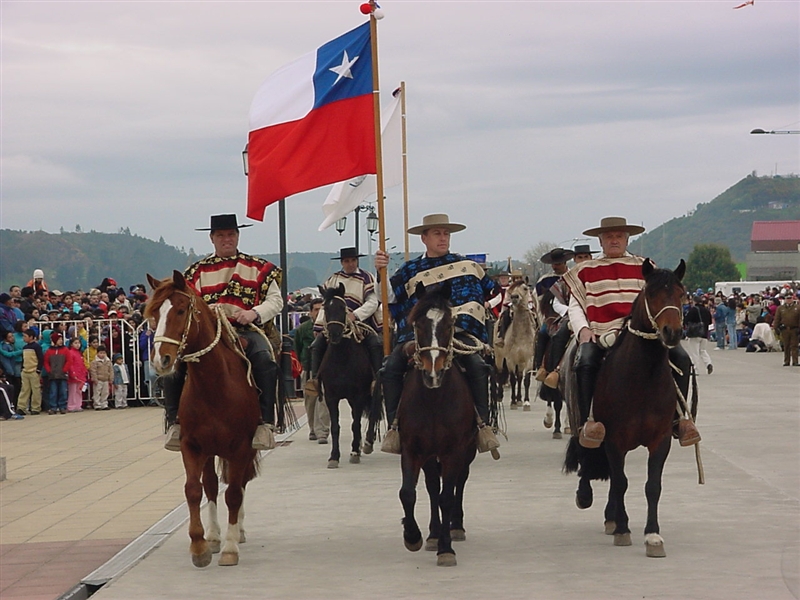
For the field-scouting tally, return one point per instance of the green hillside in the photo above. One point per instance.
(727, 220)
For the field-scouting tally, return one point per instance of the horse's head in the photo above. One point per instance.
(518, 295)
(662, 303)
(432, 319)
(335, 309)
(169, 311)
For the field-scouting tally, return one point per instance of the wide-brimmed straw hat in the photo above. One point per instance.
(437, 220)
(348, 253)
(584, 249)
(224, 222)
(557, 255)
(614, 224)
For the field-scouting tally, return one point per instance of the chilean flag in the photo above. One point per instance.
(312, 122)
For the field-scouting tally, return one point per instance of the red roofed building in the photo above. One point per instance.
(774, 250)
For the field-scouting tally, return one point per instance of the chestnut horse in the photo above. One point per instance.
(437, 427)
(635, 398)
(218, 412)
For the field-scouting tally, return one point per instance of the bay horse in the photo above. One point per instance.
(218, 413)
(437, 427)
(345, 372)
(552, 396)
(514, 359)
(635, 398)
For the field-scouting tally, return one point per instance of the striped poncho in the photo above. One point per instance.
(471, 287)
(605, 289)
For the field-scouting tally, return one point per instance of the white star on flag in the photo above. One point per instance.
(343, 70)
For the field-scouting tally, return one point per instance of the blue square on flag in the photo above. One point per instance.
(344, 67)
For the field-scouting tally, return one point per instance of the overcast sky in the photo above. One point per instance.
(528, 121)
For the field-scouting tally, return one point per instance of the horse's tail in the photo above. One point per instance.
(591, 463)
(252, 471)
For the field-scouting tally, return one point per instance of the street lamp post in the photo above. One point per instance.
(372, 222)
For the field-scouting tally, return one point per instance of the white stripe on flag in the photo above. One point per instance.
(346, 195)
(287, 95)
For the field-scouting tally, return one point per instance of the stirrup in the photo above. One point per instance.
(264, 438)
(173, 438)
(541, 374)
(687, 433)
(391, 441)
(551, 380)
(592, 434)
(487, 441)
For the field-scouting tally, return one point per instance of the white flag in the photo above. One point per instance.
(346, 195)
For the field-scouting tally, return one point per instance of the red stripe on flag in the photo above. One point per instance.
(333, 143)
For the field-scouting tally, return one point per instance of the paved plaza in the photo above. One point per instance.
(93, 498)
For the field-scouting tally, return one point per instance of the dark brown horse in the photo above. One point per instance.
(345, 372)
(635, 398)
(218, 411)
(437, 427)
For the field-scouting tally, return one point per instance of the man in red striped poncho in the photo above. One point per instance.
(248, 290)
(602, 294)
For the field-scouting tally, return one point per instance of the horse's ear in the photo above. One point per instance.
(647, 267)
(340, 289)
(419, 291)
(680, 270)
(321, 290)
(178, 280)
(154, 283)
(527, 280)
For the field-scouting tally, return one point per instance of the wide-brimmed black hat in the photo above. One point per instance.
(224, 222)
(348, 253)
(584, 249)
(557, 255)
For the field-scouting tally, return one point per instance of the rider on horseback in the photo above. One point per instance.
(362, 304)
(248, 288)
(557, 257)
(603, 291)
(559, 331)
(471, 287)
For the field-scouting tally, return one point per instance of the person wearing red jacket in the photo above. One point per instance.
(57, 361)
(77, 377)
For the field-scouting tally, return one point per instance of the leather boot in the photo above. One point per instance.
(172, 386)
(265, 373)
(588, 364)
(477, 374)
(538, 349)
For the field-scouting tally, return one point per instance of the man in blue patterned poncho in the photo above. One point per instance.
(471, 288)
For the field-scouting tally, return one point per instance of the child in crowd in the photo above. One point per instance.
(78, 374)
(30, 396)
(57, 364)
(91, 350)
(7, 410)
(102, 374)
(120, 382)
(11, 361)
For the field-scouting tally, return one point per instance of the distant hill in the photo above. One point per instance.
(727, 220)
(81, 260)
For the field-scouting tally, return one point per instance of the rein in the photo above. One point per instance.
(652, 335)
(350, 329)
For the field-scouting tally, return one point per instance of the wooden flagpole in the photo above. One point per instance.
(405, 163)
(376, 107)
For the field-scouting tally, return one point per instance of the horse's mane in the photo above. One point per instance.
(436, 298)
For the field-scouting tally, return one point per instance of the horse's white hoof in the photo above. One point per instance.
(367, 448)
(526, 407)
(514, 406)
(202, 560)
(458, 535)
(549, 418)
(556, 435)
(229, 559)
(654, 545)
(354, 458)
(214, 546)
(333, 464)
(609, 527)
(432, 544)
(622, 539)
(242, 536)
(446, 560)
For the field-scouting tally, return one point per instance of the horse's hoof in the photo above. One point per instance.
(333, 464)
(228, 559)
(458, 535)
(432, 544)
(355, 459)
(514, 406)
(526, 407)
(556, 435)
(568, 430)
(367, 448)
(446, 560)
(549, 418)
(654, 545)
(583, 502)
(610, 527)
(415, 546)
(214, 546)
(242, 536)
(622, 539)
(201, 560)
